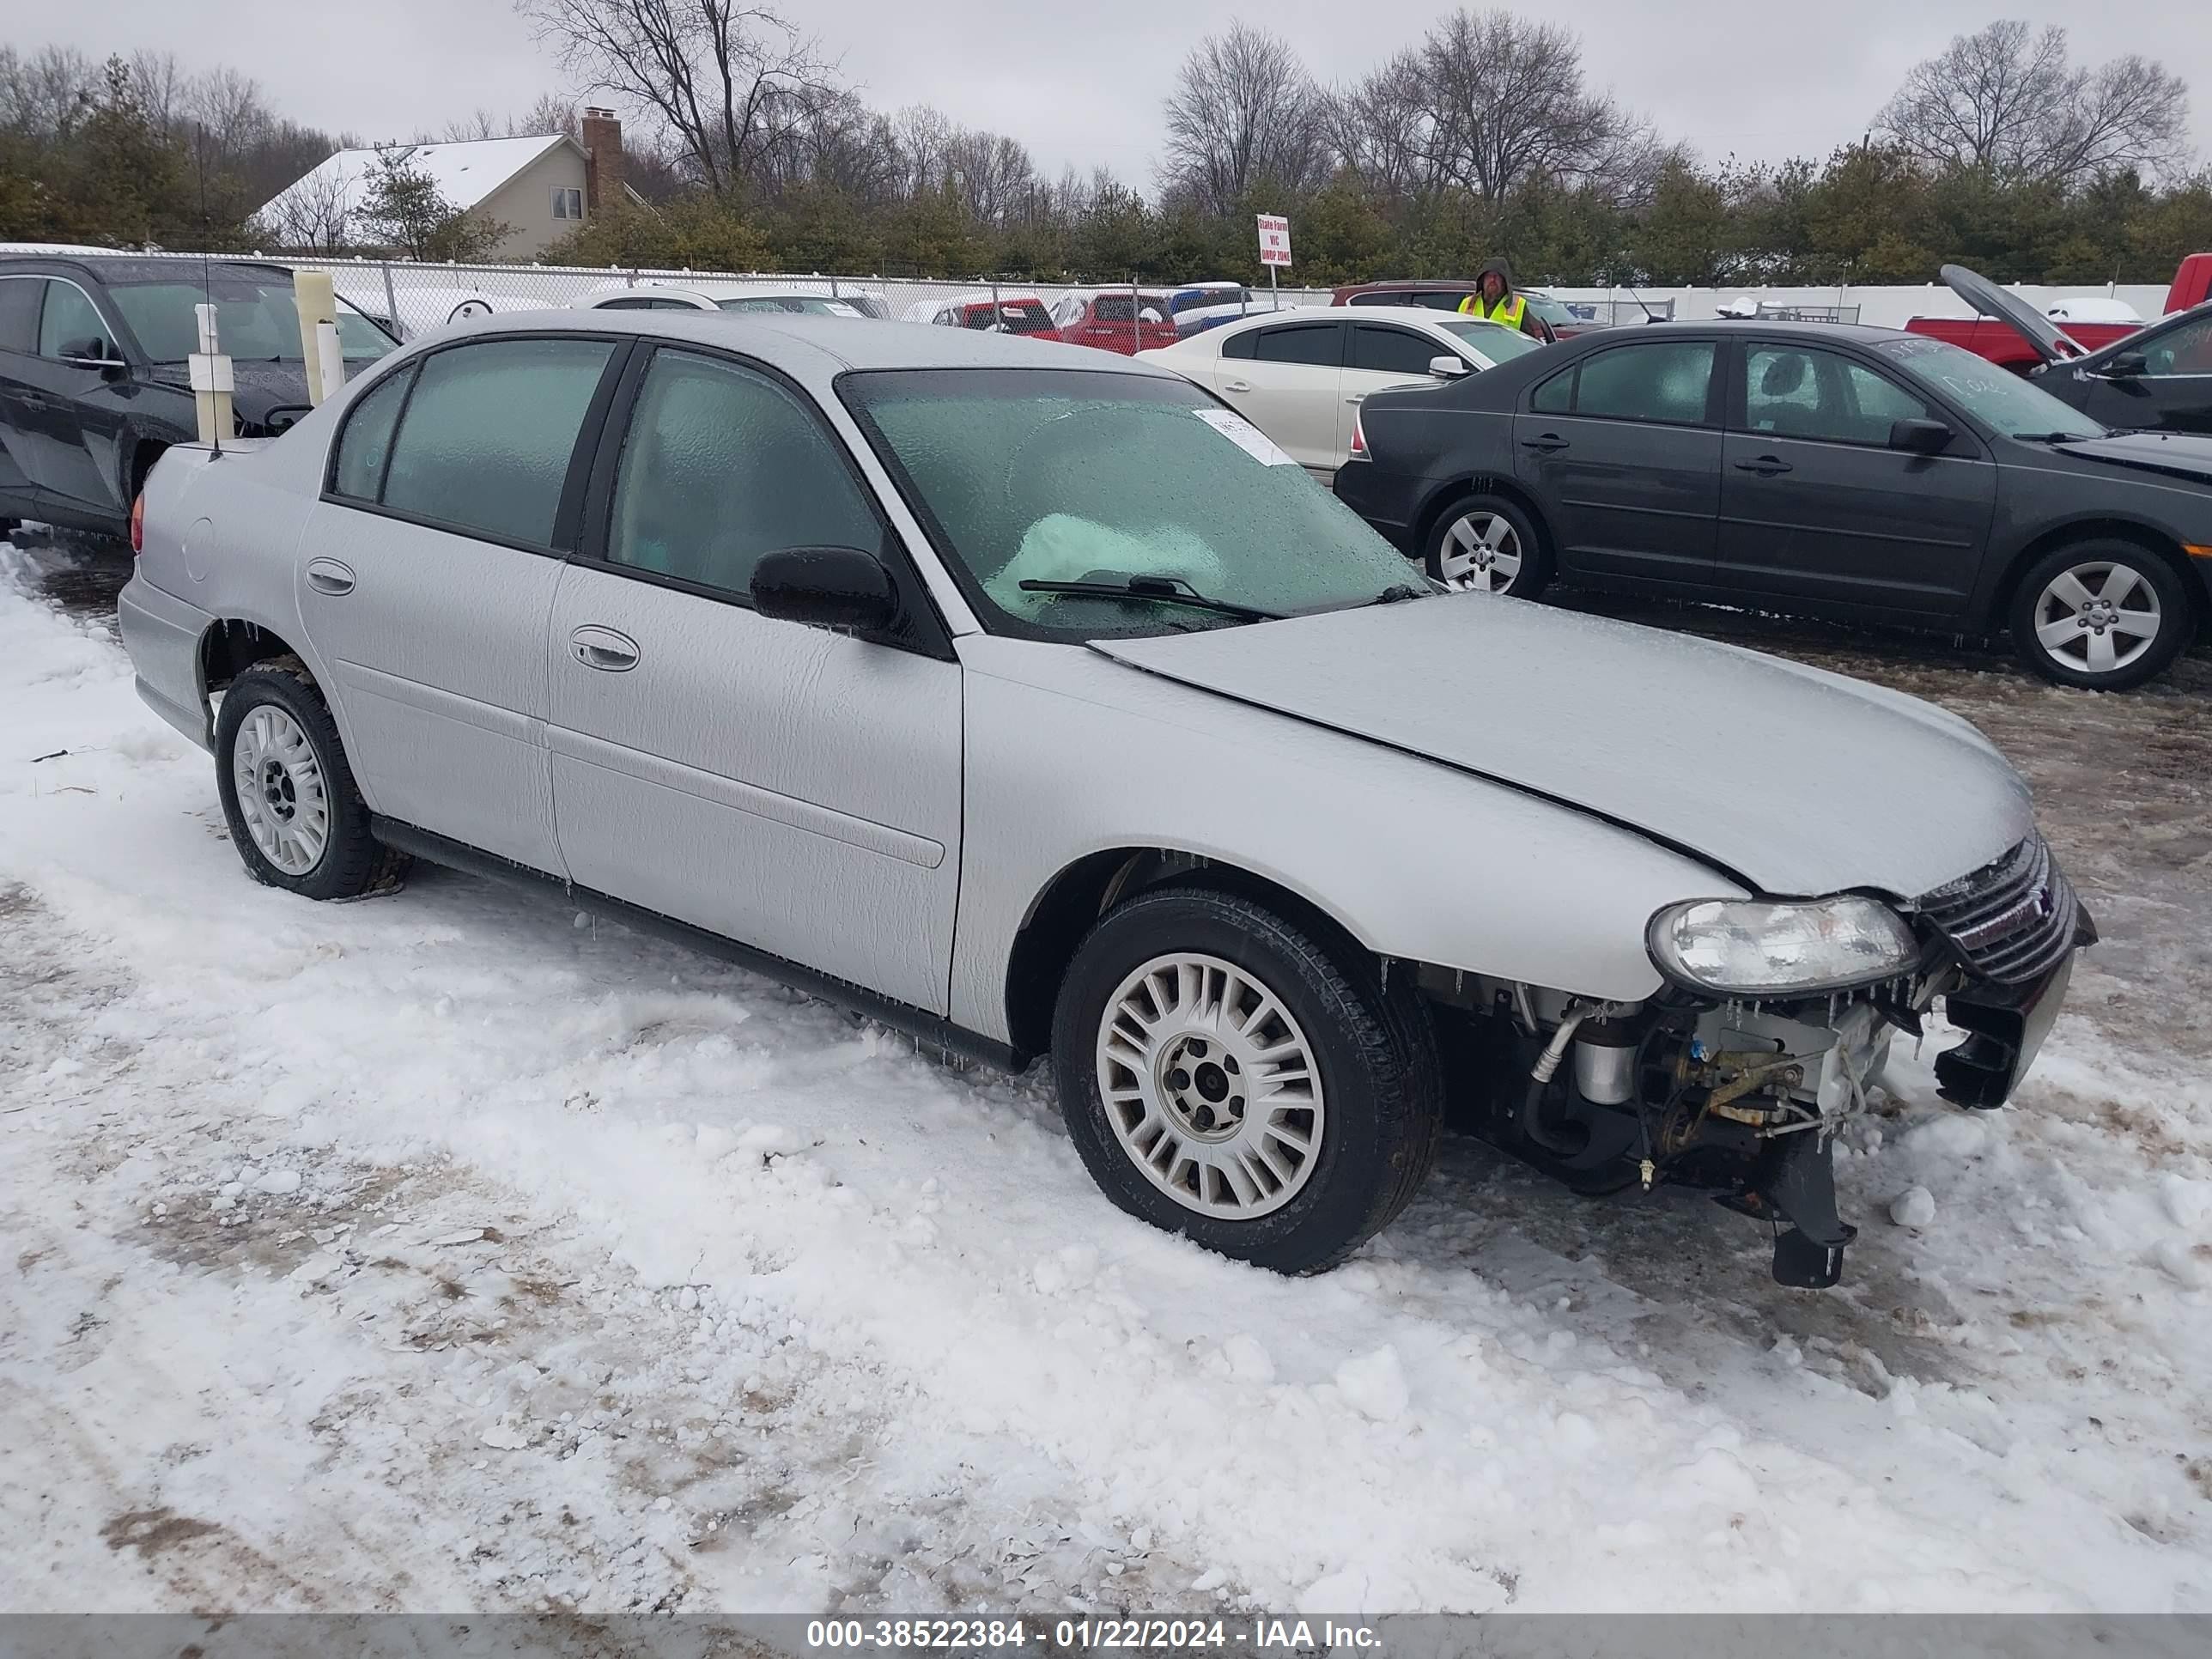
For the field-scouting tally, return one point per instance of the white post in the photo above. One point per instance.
(1274, 297)
(210, 371)
(332, 356)
(316, 300)
(391, 305)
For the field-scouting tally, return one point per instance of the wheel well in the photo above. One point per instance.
(2090, 529)
(1074, 900)
(1480, 484)
(231, 646)
(149, 450)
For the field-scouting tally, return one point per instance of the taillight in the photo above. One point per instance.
(138, 522)
(1359, 441)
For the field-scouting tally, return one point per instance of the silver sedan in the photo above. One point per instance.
(1033, 701)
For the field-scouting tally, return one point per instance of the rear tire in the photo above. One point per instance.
(295, 815)
(2103, 614)
(1236, 1077)
(1489, 545)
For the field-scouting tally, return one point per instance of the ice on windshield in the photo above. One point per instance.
(2016, 407)
(1073, 476)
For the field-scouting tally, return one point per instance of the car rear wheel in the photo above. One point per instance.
(2103, 614)
(295, 817)
(1228, 1075)
(1487, 544)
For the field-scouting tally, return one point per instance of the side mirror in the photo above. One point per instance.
(834, 588)
(1447, 367)
(2126, 366)
(93, 353)
(1918, 437)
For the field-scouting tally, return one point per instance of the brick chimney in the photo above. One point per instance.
(603, 161)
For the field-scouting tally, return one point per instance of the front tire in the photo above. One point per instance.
(1488, 545)
(295, 815)
(1228, 1074)
(2102, 614)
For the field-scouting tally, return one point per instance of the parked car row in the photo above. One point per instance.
(1033, 701)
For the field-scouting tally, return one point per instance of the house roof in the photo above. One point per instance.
(466, 173)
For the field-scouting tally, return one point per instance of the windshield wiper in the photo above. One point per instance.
(1168, 590)
(1400, 591)
(2055, 437)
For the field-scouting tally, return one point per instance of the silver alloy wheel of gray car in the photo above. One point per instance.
(281, 793)
(2084, 619)
(1210, 1086)
(1481, 552)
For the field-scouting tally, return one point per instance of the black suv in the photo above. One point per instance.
(92, 376)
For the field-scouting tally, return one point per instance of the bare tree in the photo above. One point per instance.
(2006, 100)
(717, 72)
(46, 96)
(1377, 129)
(1244, 113)
(1503, 100)
(312, 216)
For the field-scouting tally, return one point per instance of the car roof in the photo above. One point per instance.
(811, 347)
(145, 267)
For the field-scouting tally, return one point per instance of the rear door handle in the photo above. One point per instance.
(1767, 466)
(329, 576)
(603, 649)
(1549, 440)
(1238, 386)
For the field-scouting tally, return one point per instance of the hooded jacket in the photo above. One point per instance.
(1511, 309)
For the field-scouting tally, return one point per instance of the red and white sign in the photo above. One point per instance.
(1274, 240)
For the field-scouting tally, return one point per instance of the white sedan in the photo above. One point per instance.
(1300, 375)
(847, 301)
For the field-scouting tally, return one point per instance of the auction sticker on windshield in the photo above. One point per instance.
(1246, 437)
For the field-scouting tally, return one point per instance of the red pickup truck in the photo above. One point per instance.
(2001, 342)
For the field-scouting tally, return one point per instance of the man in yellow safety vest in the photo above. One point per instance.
(1495, 301)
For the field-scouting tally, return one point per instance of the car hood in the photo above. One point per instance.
(2051, 344)
(2176, 454)
(257, 389)
(1796, 781)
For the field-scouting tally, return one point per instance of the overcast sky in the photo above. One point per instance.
(1763, 79)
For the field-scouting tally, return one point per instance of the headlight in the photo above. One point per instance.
(1751, 948)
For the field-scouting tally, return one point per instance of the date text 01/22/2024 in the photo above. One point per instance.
(1262, 1634)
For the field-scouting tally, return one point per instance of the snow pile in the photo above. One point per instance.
(436, 1251)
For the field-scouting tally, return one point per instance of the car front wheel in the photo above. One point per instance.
(295, 817)
(1487, 544)
(2102, 614)
(1228, 1075)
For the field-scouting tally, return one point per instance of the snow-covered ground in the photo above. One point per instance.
(452, 1250)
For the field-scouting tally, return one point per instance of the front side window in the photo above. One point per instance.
(1320, 345)
(721, 465)
(70, 326)
(1995, 396)
(256, 320)
(1660, 381)
(1793, 392)
(2184, 351)
(489, 433)
(1386, 350)
(1067, 474)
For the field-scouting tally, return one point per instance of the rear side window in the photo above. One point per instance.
(1394, 351)
(19, 313)
(365, 444)
(1320, 344)
(1658, 380)
(489, 433)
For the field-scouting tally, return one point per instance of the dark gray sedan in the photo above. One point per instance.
(1861, 474)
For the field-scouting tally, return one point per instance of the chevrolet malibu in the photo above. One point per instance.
(1035, 703)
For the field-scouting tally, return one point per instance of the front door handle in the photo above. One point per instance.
(1357, 398)
(603, 649)
(1238, 386)
(329, 576)
(1767, 466)
(1549, 440)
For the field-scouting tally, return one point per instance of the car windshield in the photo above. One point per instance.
(1073, 475)
(1493, 340)
(2016, 407)
(816, 305)
(255, 321)
(1551, 311)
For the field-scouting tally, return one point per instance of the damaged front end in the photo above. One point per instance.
(1774, 1024)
